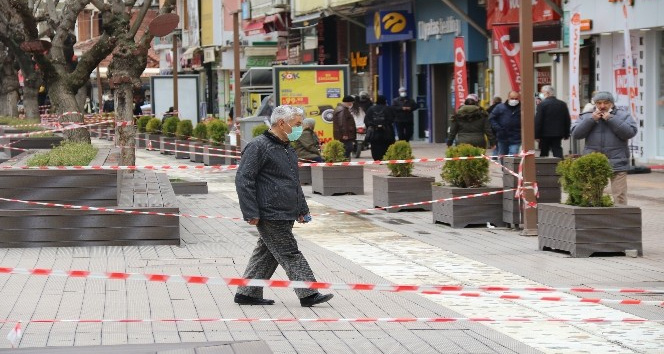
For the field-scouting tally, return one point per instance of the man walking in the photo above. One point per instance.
(271, 198)
(404, 107)
(607, 130)
(343, 125)
(506, 122)
(552, 123)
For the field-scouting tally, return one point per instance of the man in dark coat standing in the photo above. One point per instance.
(404, 107)
(343, 124)
(552, 123)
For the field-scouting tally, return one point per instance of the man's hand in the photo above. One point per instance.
(405, 108)
(606, 115)
(253, 221)
(597, 115)
(303, 219)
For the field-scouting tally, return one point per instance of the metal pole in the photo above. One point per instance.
(237, 109)
(175, 72)
(99, 91)
(527, 113)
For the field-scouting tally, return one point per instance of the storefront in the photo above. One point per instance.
(438, 26)
(644, 20)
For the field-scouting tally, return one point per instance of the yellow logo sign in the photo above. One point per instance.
(377, 25)
(392, 22)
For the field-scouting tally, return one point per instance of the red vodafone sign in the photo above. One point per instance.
(507, 12)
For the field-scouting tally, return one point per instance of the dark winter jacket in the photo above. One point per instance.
(506, 121)
(267, 181)
(470, 125)
(552, 119)
(610, 137)
(402, 116)
(383, 131)
(343, 124)
(307, 146)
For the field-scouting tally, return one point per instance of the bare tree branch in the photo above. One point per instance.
(139, 19)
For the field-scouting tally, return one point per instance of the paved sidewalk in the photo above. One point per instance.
(378, 248)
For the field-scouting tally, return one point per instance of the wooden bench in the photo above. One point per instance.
(42, 226)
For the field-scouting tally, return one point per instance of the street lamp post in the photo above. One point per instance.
(175, 35)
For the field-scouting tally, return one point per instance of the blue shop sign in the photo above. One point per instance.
(390, 26)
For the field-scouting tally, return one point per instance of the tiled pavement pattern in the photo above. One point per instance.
(402, 248)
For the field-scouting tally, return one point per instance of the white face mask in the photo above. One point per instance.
(513, 102)
(541, 96)
(402, 94)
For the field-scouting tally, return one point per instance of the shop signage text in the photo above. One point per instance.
(437, 28)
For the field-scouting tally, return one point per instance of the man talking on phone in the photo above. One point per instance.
(608, 129)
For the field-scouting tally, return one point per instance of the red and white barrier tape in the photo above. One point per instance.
(197, 279)
(124, 168)
(63, 127)
(137, 212)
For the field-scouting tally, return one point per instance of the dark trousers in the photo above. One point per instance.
(404, 130)
(551, 144)
(378, 149)
(348, 146)
(276, 246)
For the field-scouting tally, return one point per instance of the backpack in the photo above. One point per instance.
(379, 117)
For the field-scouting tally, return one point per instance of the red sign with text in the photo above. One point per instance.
(507, 11)
(324, 76)
(460, 74)
(622, 81)
(510, 53)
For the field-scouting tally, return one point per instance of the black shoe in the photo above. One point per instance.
(248, 300)
(315, 299)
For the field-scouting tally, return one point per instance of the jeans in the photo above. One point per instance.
(505, 148)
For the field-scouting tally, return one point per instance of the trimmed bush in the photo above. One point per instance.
(217, 131)
(200, 132)
(584, 180)
(142, 123)
(400, 150)
(170, 126)
(259, 130)
(334, 151)
(153, 126)
(473, 173)
(67, 154)
(184, 130)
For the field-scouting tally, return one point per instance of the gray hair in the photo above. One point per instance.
(298, 111)
(548, 89)
(309, 122)
(284, 113)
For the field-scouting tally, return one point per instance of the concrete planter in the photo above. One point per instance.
(46, 142)
(141, 141)
(331, 180)
(547, 182)
(209, 155)
(166, 145)
(196, 151)
(465, 212)
(304, 173)
(189, 187)
(582, 231)
(181, 149)
(388, 190)
(232, 154)
(152, 140)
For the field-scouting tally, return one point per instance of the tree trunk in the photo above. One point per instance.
(125, 134)
(8, 85)
(30, 101)
(64, 101)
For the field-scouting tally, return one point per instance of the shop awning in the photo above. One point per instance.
(307, 20)
(255, 27)
(189, 53)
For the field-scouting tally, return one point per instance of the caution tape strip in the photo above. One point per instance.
(233, 281)
(62, 128)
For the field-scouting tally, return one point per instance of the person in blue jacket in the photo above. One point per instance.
(506, 122)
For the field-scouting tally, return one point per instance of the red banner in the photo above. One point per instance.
(460, 74)
(510, 53)
(507, 11)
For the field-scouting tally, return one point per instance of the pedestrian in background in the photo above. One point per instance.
(271, 198)
(404, 107)
(552, 123)
(506, 121)
(496, 101)
(470, 125)
(307, 146)
(607, 130)
(343, 125)
(379, 120)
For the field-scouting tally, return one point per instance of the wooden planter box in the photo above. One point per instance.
(388, 190)
(154, 141)
(547, 182)
(196, 151)
(46, 142)
(304, 173)
(141, 141)
(331, 180)
(582, 231)
(209, 155)
(181, 149)
(189, 187)
(231, 151)
(166, 143)
(465, 212)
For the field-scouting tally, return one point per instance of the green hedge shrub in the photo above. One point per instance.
(584, 180)
(184, 130)
(471, 173)
(400, 150)
(67, 154)
(217, 131)
(259, 130)
(334, 151)
(170, 126)
(153, 126)
(200, 132)
(142, 123)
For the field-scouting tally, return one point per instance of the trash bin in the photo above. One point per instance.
(248, 124)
